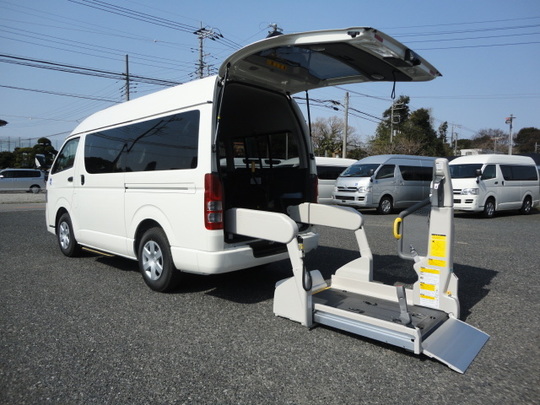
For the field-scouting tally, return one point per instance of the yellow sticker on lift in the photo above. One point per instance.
(438, 245)
(436, 262)
(429, 287)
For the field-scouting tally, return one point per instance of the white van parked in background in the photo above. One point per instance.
(385, 182)
(328, 170)
(153, 178)
(490, 183)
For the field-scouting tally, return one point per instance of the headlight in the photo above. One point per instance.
(364, 189)
(469, 191)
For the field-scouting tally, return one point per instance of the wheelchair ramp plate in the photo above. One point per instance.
(455, 344)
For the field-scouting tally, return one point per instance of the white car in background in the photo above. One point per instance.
(328, 170)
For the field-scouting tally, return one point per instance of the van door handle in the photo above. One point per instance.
(82, 179)
(70, 179)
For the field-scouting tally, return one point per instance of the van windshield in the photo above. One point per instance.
(464, 171)
(362, 170)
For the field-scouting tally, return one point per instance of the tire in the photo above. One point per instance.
(155, 261)
(489, 208)
(386, 205)
(66, 238)
(526, 207)
(35, 189)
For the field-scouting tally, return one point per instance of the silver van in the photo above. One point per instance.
(22, 179)
(385, 182)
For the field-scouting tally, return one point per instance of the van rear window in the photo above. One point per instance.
(166, 143)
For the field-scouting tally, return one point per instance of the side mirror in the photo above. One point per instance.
(478, 175)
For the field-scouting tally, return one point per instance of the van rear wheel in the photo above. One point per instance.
(386, 205)
(155, 261)
(526, 206)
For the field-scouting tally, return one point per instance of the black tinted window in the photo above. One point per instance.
(329, 172)
(416, 173)
(66, 157)
(386, 172)
(519, 172)
(489, 172)
(166, 143)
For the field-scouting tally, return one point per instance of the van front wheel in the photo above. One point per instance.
(155, 261)
(489, 208)
(65, 236)
(386, 205)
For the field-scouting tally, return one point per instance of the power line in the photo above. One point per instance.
(42, 64)
(56, 93)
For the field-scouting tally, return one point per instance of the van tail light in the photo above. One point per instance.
(213, 202)
(314, 188)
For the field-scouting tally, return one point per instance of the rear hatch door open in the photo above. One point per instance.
(298, 62)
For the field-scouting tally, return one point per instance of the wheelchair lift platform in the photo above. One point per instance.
(423, 319)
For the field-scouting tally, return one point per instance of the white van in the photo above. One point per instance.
(385, 182)
(328, 170)
(22, 179)
(490, 183)
(151, 179)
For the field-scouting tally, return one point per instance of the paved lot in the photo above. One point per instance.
(88, 330)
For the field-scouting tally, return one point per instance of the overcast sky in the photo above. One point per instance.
(487, 51)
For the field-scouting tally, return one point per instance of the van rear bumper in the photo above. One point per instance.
(230, 259)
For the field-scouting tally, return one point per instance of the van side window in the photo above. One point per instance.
(166, 143)
(512, 172)
(386, 172)
(489, 172)
(329, 172)
(417, 173)
(66, 157)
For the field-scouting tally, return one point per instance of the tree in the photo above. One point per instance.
(527, 140)
(25, 157)
(490, 140)
(44, 147)
(7, 159)
(414, 133)
(327, 136)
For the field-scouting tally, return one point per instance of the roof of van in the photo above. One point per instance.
(493, 158)
(329, 161)
(384, 158)
(161, 102)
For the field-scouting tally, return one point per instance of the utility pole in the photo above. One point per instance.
(509, 120)
(127, 78)
(346, 129)
(455, 138)
(202, 34)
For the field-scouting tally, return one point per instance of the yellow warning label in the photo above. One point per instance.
(438, 245)
(432, 271)
(436, 262)
(426, 297)
(429, 287)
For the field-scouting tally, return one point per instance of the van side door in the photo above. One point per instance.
(510, 194)
(99, 196)
(384, 183)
